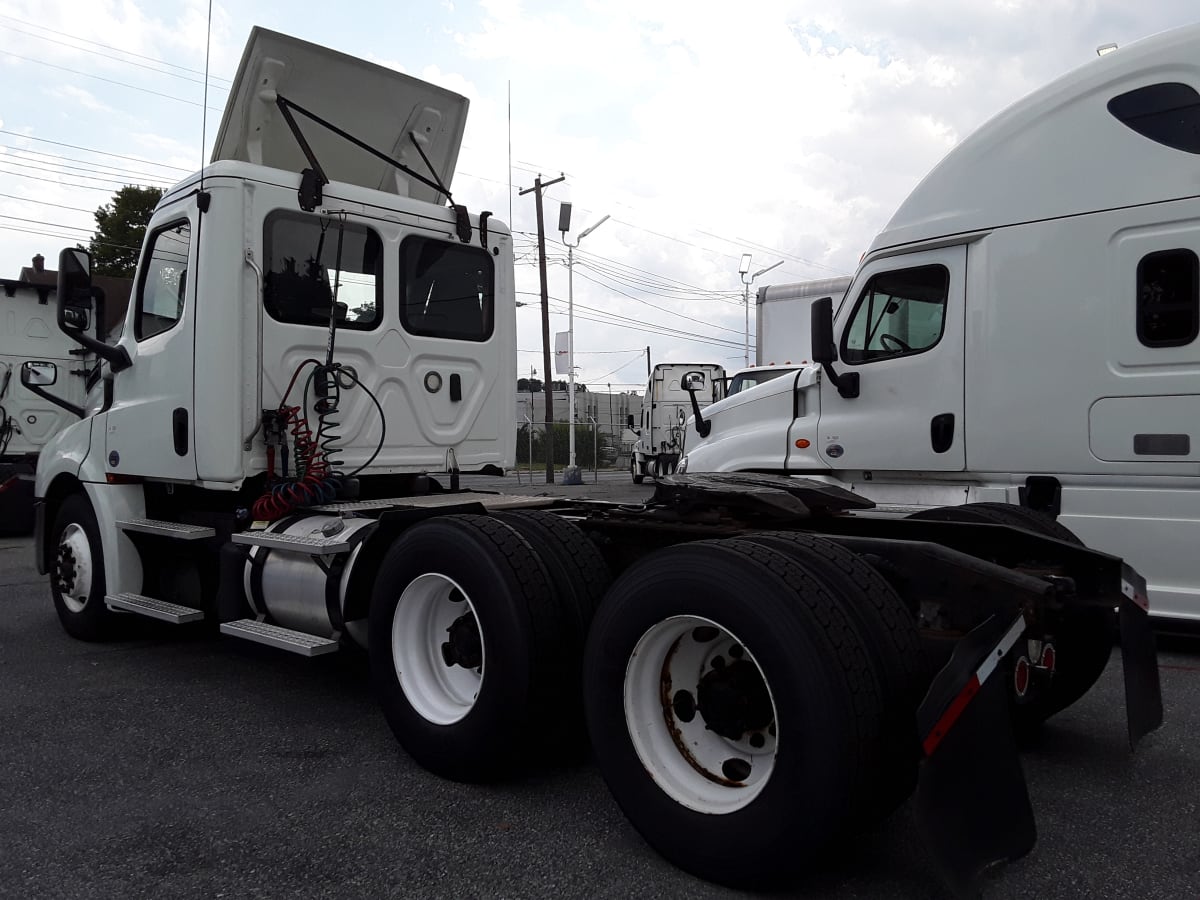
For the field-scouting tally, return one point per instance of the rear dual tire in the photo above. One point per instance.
(732, 708)
(476, 633)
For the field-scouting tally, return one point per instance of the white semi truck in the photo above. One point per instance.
(1025, 330)
(665, 408)
(28, 333)
(317, 342)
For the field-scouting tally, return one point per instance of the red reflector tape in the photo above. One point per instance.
(971, 688)
(950, 716)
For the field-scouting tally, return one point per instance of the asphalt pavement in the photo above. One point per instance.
(187, 765)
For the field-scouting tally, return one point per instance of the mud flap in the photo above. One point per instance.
(971, 805)
(1143, 693)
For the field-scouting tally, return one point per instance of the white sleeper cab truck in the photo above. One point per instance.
(29, 334)
(782, 318)
(1026, 330)
(317, 346)
(665, 409)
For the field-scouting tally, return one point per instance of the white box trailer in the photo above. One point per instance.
(782, 318)
(1026, 329)
(316, 342)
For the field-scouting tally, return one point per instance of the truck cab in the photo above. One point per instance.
(1026, 329)
(665, 410)
(310, 288)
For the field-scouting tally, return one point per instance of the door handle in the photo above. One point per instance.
(455, 388)
(941, 432)
(179, 430)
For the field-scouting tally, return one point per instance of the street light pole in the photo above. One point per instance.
(743, 270)
(571, 475)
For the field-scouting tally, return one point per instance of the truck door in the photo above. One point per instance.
(149, 426)
(902, 332)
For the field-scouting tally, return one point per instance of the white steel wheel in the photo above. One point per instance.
(73, 567)
(437, 648)
(700, 715)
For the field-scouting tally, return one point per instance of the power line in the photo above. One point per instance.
(115, 179)
(48, 203)
(30, 137)
(658, 308)
(96, 169)
(109, 47)
(87, 187)
(127, 62)
(132, 87)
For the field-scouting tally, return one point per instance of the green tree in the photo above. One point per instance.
(120, 227)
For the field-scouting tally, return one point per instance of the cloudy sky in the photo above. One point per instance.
(789, 130)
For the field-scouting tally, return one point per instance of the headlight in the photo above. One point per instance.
(682, 467)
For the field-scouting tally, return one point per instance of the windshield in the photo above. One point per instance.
(746, 380)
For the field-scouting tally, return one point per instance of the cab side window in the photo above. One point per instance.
(899, 313)
(1168, 298)
(163, 281)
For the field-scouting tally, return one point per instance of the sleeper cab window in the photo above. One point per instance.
(899, 313)
(1168, 298)
(1167, 113)
(447, 290)
(163, 280)
(305, 266)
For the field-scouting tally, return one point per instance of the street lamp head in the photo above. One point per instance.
(564, 217)
(590, 229)
(744, 266)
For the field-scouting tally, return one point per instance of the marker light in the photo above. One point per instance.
(802, 443)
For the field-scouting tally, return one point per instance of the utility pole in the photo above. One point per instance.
(536, 190)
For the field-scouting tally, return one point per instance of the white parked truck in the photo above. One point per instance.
(782, 318)
(1025, 330)
(28, 333)
(762, 664)
(665, 408)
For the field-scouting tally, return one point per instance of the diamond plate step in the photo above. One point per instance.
(155, 609)
(282, 638)
(167, 529)
(297, 543)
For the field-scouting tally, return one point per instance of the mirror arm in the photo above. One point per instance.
(57, 401)
(703, 426)
(846, 383)
(117, 356)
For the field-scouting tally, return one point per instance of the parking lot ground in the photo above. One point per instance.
(180, 764)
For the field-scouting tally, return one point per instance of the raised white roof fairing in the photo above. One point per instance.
(1059, 151)
(377, 105)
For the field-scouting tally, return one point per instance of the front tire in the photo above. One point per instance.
(635, 472)
(77, 582)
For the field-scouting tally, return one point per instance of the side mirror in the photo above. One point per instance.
(74, 289)
(37, 376)
(629, 421)
(42, 374)
(821, 325)
(692, 382)
(75, 295)
(824, 350)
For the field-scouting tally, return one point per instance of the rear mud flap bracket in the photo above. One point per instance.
(972, 805)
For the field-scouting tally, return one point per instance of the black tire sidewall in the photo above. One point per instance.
(94, 621)
(481, 744)
(805, 801)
